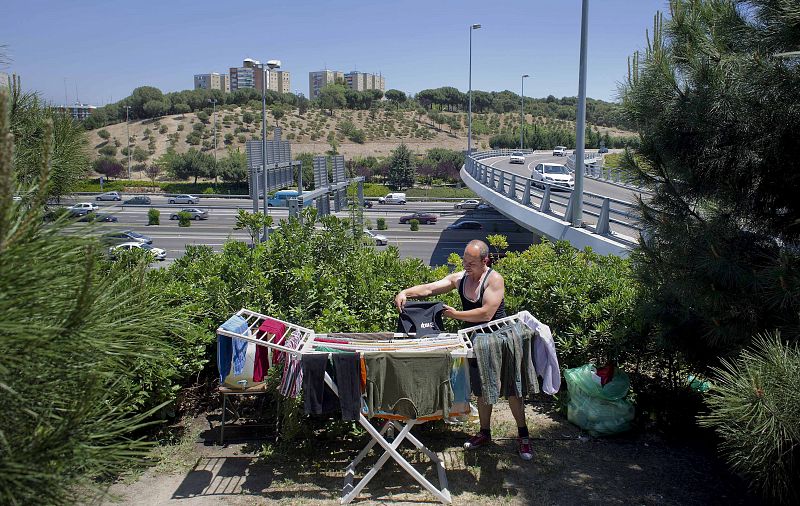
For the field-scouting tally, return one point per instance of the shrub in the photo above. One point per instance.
(108, 150)
(209, 191)
(180, 127)
(755, 408)
(153, 217)
(184, 219)
(381, 223)
(163, 129)
(414, 224)
(588, 300)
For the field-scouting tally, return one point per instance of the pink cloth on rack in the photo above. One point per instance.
(261, 362)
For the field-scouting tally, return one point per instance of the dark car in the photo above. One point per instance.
(127, 236)
(99, 217)
(423, 218)
(602, 150)
(465, 225)
(140, 199)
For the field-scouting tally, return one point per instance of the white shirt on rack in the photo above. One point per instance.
(544, 353)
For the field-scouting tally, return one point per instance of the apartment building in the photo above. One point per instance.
(358, 81)
(212, 81)
(250, 75)
(77, 110)
(319, 79)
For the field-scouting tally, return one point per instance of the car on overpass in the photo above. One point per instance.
(560, 151)
(552, 173)
(517, 157)
(423, 218)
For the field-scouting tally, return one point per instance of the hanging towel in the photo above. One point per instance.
(421, 317)
(504, 364)
(231, 347)
(348, 381)
(292, 379)
(261, 365)
(544, 354)
(318, 398)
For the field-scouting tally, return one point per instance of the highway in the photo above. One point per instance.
(431, 243)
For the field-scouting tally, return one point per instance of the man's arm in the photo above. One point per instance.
(444, 285)
(492, 297)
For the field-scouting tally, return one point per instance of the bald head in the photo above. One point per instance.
(476, 248)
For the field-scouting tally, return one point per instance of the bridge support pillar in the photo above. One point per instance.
(526, 197)
(571, 205)
(602, 226)
(545, 205)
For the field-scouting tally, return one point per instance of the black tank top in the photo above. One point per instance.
(467, 304)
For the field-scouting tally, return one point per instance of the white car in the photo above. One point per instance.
(158, 253)
(82, 208)
(560, 151)
(468, 204)
(109, 196)
(517, 157)
(184, 199)
(379, 239)
(554, 174)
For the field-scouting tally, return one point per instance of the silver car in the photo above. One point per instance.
(109, 196)
(468, 204)
(184, 199)
(380, 240)
(196, 214)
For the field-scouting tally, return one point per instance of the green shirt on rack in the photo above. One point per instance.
(412, 385)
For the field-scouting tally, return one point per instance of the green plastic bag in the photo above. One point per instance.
(584, 378)
(599, 410)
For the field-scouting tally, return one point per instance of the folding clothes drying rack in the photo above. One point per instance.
(458, 344)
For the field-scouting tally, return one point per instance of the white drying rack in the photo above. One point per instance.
(459, 345)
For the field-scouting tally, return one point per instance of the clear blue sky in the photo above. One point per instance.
(109, 48)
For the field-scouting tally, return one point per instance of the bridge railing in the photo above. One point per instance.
(593, 167)
(600, 211)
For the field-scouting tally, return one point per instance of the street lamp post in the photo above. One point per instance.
(128, 133)
(469, 115)
(522, 112)
(214, 102)
(271, 64)
(580, 124)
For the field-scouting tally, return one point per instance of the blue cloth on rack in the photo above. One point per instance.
(227, 346)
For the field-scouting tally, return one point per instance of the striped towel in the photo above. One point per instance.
(292, 379)
(489, 354)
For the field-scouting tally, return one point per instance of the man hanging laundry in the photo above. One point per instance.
(482, 292)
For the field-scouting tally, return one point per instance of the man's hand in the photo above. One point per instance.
(400, 300)
(449, 311)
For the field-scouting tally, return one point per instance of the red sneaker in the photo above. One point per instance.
(524, 448)
(478, 440)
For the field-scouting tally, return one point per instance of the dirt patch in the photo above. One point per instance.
(568, 468)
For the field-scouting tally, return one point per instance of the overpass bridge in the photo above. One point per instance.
(609, 207)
